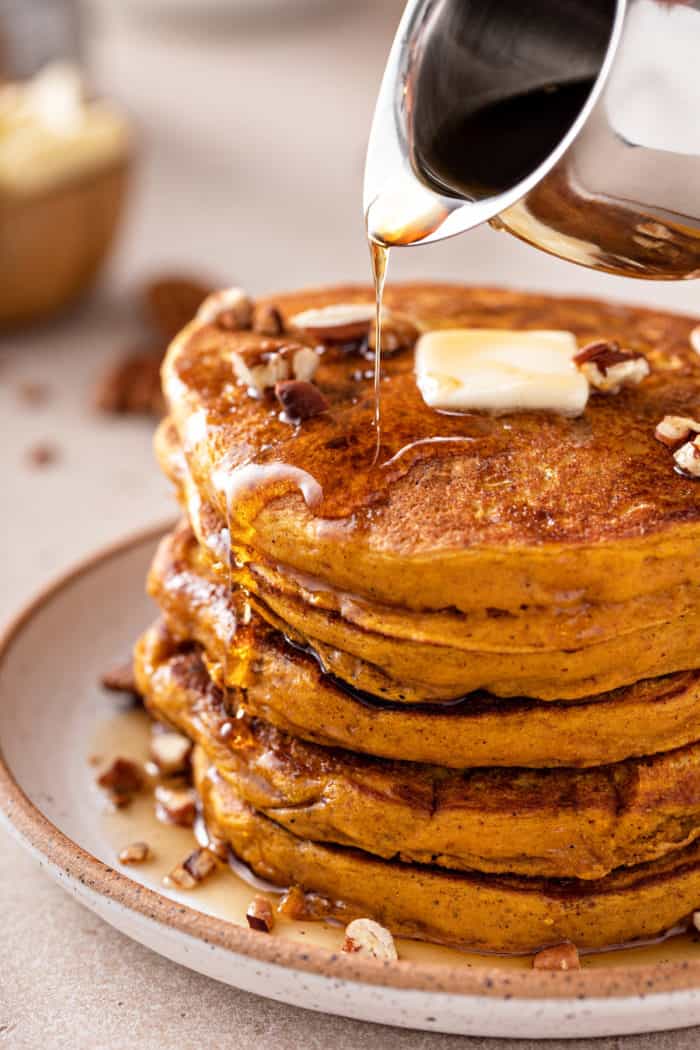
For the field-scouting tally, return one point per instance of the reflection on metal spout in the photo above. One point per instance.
(404, 213)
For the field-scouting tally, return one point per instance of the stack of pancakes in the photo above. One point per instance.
(453, 685)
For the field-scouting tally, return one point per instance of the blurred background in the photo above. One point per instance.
(226, 146)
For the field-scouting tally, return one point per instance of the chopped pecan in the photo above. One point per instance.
(672, 430)
(171, 752)
(120, 678)
(267, 320)
(608, 368)
(176, 805)
(260, 915)
(132, 385)
(339, 323)
(123, 776)
(134, 853)
(260, 366)
(200, 863)
(562, 956)
(230, 309)
(300, 400)
(172, 301)
(194, 869)
(368, 937)
(179, 878)
(687, 458)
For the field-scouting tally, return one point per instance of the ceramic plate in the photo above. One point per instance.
(55, 720)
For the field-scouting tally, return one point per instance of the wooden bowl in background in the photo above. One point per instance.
(53, 241)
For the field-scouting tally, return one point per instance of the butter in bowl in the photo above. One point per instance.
(64, 162)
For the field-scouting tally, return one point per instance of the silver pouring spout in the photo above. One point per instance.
(573, 124)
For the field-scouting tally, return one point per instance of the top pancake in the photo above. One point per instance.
(532, 506)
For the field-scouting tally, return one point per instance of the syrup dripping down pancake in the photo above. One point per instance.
(286, 686)
(514, 510)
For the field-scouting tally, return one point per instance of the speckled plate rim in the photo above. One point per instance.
(66, 857)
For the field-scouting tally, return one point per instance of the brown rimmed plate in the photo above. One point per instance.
(57, 725)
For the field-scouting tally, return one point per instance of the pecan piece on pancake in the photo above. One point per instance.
(562, 956)
(687, 458)
(230, 309)
(267, 320)
(176, 805)
(259, 367)
(260, 915)
(339, 323)
(135, 853)
(172, 301)
(300, 400)
(673, 430)
(608, 368)
(368, 937)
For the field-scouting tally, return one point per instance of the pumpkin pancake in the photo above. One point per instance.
(286, 686)
(573, 623)
(465, 910)
(573, 648)
(426, 667)
(519, 509)
(553, 823)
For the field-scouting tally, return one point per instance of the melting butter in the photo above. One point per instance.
(500, 370)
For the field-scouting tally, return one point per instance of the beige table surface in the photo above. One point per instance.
(252, 141)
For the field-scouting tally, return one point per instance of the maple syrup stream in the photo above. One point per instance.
(379, 254)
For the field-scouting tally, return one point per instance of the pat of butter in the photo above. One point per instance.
(500, 370)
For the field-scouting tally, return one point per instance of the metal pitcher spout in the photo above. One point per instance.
(573, 124)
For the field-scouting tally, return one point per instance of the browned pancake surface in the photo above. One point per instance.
(466, 910)
(528, 478)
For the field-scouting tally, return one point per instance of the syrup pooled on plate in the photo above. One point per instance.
(228, 892)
